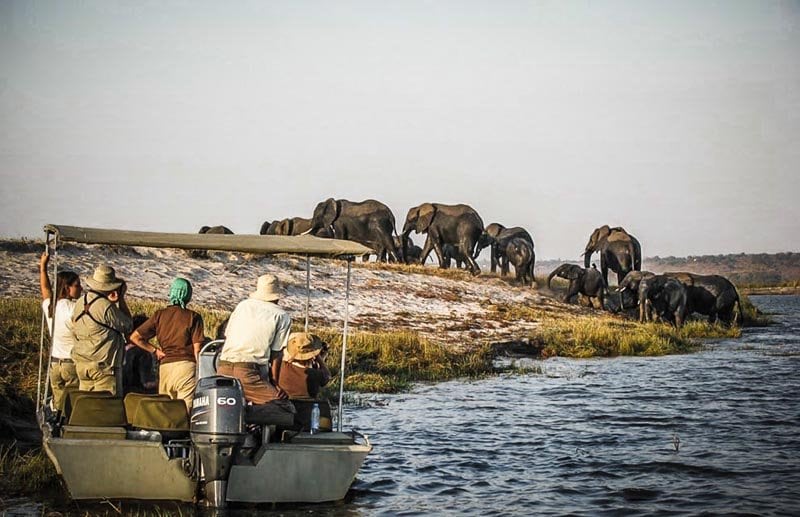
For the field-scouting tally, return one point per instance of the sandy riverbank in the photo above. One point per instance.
(458, 311)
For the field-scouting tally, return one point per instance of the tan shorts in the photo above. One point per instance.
(177, 379)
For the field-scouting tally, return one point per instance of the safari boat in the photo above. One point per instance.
(150, 448)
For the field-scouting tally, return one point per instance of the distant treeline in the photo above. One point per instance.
(745, 270)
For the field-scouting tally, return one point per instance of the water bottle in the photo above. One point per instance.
(315, 418)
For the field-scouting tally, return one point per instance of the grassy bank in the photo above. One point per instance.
(582, 335)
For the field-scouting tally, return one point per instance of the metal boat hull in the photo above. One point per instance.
(287, 472)
(135, 469)
(119, 469)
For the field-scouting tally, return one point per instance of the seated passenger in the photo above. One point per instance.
(255, 336)
(303, 371)
(180, 336)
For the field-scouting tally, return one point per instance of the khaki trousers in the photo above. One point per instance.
(62, 376)
(177, 379)
(95, 376)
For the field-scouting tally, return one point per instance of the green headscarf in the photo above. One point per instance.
(180, 292)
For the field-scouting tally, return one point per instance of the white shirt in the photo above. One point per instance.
(64, 340)
(254, 328)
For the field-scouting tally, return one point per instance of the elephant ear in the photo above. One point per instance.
(494, 229)
(284, 227)
(425, 217)
(331, 211)
(204, 229)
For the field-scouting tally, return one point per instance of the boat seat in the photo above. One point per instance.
(97, 410)
(168, 416)
(278, 412)
(132, 401)
(73, 395)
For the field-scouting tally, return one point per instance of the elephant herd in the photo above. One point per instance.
(670, 297)
(457, 233)
(453, 233)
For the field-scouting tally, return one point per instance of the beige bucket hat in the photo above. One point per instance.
(104, 279)
(302, 346)
(268, 289)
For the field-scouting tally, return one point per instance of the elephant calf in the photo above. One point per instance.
(585, 281)
(519, 252)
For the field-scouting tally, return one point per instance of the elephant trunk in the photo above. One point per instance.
(587, 257)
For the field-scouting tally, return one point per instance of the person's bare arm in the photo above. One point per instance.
(197, 347)
(44, 280)
(145, 345)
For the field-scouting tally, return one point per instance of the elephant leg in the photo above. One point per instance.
(493, 257)
(473, 266)
(426, 250)
(505, 269)
(573, 290)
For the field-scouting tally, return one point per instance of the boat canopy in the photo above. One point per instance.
(266, 244)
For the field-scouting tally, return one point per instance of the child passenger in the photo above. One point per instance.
(303, 371)
(68, 289)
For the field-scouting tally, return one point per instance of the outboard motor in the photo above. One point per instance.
(217, 430)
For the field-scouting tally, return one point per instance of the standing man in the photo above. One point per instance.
(180, 336)
(255, 337)
(100, 321)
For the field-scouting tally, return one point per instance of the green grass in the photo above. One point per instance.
(583, 335)
(390, 361)
(24, 472)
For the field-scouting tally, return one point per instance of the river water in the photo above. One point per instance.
(715, 432)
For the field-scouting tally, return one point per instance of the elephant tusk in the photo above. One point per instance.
(306, 232)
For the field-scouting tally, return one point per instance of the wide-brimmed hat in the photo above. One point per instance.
(103, 279)
(268, 289)
(303, 346)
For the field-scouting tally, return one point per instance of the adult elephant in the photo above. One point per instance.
(667, 296)
(265, 228)
(457, 225)
(216, 230)
(498, 236)
(619, 251)
(632, 283)
(519, 252)
(711, 295)
(287, 226)
(369, 222)
(220, 230)
(585, 281)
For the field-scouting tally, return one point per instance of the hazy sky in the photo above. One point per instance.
(677, 120)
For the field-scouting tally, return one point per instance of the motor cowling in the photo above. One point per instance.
(217, 431)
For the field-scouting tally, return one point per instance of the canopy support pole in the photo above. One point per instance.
(40, 398)
(308, 288)
(344, 344)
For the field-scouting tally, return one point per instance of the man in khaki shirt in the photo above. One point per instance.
(257, 332)
(100, 321)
